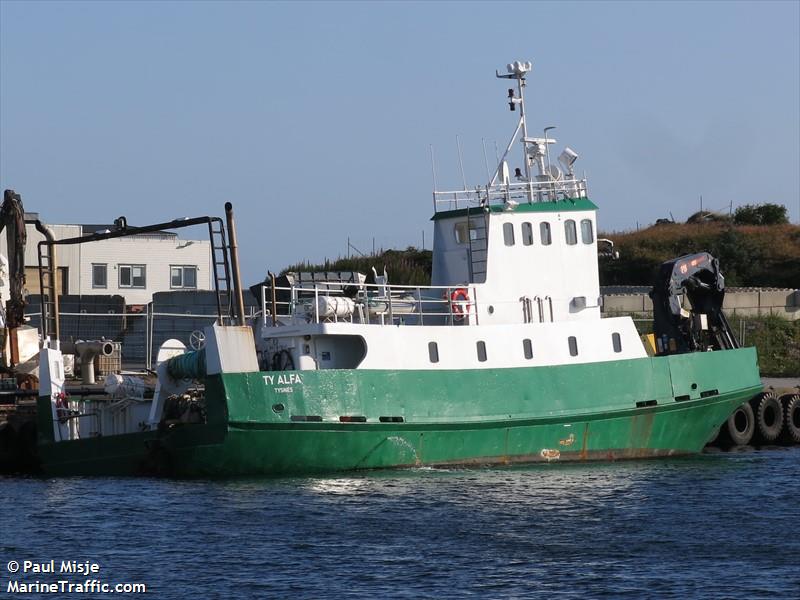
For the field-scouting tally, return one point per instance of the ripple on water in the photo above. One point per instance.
(717, 525)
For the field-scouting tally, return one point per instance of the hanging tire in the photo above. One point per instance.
(739, 428)
(791, 418)
(769, 417)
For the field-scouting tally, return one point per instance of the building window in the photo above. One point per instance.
(508, 234)
(99, 275)
(527, 234)
(132, 276)
(616, 340)
(433, 352)
(587, 233)
(481, 351)
(573, 345)
(570, 232)
(544, 233)
(527, 347)
(183, 276)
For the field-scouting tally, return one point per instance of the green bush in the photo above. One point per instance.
(777, 341)
(760, 214)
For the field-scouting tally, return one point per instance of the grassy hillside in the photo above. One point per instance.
(763, 256)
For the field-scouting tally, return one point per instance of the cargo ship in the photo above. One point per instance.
(505, 358)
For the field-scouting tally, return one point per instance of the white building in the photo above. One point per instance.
(134, 267)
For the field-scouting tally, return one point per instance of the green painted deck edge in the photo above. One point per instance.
(573, 204)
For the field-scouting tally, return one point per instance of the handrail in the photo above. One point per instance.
(541, 191)
(371, 303)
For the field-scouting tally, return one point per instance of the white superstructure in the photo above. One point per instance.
(514, 284)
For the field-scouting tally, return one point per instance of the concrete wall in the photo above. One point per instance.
(741, 302)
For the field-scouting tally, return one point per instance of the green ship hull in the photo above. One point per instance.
(299, 422)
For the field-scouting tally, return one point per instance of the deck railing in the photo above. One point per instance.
(533, 191)
(376, 304)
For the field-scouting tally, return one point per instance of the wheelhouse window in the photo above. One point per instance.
(527, 348)
(132, 276)
(465, 231)
(544, 233)
(570, 232)
(99, 275)
(587, 233)
(616, 340)
(573, 345)
(508, 234)
(527, 234)
(433, 352)
(183, 277)
(481, 347)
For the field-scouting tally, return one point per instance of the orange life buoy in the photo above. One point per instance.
(459, 303)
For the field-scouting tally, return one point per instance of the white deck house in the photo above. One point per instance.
(134, 267)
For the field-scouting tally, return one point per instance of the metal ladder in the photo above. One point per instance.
(478, 247)
(48, 292)
(220, 268)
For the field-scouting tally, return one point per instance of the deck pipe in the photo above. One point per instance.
(51, 249)
(237, 278)
(87, 351)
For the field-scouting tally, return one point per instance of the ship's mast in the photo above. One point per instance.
(533, 149)
(536, 180)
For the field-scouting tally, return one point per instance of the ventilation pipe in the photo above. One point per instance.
(87, 351)
(237, 278)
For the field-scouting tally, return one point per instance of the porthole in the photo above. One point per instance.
(433, 352)
(527, 348)
(573, 345)
(616, 341)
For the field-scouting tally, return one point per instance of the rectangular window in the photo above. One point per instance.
(527, 347)
(183, 276)
(616, 340)
(587, 233)
(573, 345)
(544, 233)
(481, 351)
(570, 232)
(508, 234)
(466, 231)
(527, 234)
(132, 276)
(99, 275)
(433, 352)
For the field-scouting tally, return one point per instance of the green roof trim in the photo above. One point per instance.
(571, 204)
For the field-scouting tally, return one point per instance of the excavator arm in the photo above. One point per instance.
(12, 219)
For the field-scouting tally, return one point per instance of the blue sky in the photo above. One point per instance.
(315, 119)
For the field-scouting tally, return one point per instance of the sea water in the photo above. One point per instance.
(718, 525)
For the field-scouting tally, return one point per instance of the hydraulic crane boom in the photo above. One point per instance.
(696, 280)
